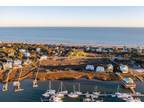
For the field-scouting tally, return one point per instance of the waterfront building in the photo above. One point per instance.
(110, 68)
(123, 68)
(89, 67)
(100, 69)
(128, 82)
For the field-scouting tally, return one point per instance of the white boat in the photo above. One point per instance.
(55, 99)
(131, 99)
(62, 92)
(122, 95)
(87, 100)
(79, 91)
(35, 83)
(87, 95)
(96, 92)
(73, 94)
(49, 91)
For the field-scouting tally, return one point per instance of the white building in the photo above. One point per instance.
(89, 67)
(38, 49)
(110, 68)
(44, 57)
(17, 63)
(100, 69)
(124, 68)
(7, 65)
(22, 50)
(27, 54)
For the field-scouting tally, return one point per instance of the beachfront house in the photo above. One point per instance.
(90, 67)
(100, 69)
(139, 50)
(110, 68)
(43, 57)
(99, 49)
(123, 68)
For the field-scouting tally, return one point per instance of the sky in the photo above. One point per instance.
(83, 16)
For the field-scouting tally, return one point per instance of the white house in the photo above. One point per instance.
(110, 68)
(124, 68)
(7, 65)
(17, 63)
(89, 67)
(22, 50)
(27, 54)
(100, 69)
(44, 57)
(99, 50)
(38, 49)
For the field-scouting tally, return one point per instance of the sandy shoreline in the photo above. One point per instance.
(49, 42)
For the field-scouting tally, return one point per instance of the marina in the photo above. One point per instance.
(105, 91)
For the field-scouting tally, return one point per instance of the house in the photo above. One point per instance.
(100, 69)
(89, 67)
(38, 49)
(22, 50)
(99, 50)
(7, 65)
(110, 68)
(140, 50)
(123, 68)
(17, 63)
(27, 62)
(27, 54)
(44, 57)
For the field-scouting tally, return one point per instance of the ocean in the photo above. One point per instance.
(74, 35)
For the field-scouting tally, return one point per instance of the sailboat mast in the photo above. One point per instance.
(118, 88)
(61, 85)
(49, 85)
(79, 87)
(74, 88)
